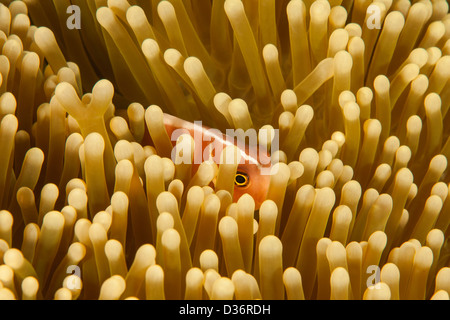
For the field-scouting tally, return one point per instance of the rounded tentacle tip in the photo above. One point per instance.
(42, 34)
(103, 88)
(64, 89)
(94, 143)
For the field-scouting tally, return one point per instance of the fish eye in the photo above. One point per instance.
(241, 179)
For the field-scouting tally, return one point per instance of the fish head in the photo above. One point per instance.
(253, 173)
(249, 179)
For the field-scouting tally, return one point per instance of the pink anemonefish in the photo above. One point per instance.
(253, 172)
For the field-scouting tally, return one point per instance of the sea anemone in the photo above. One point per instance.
(358, 93)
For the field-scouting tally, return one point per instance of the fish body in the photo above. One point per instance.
(253, 172)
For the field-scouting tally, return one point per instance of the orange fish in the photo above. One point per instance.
(253, 172)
